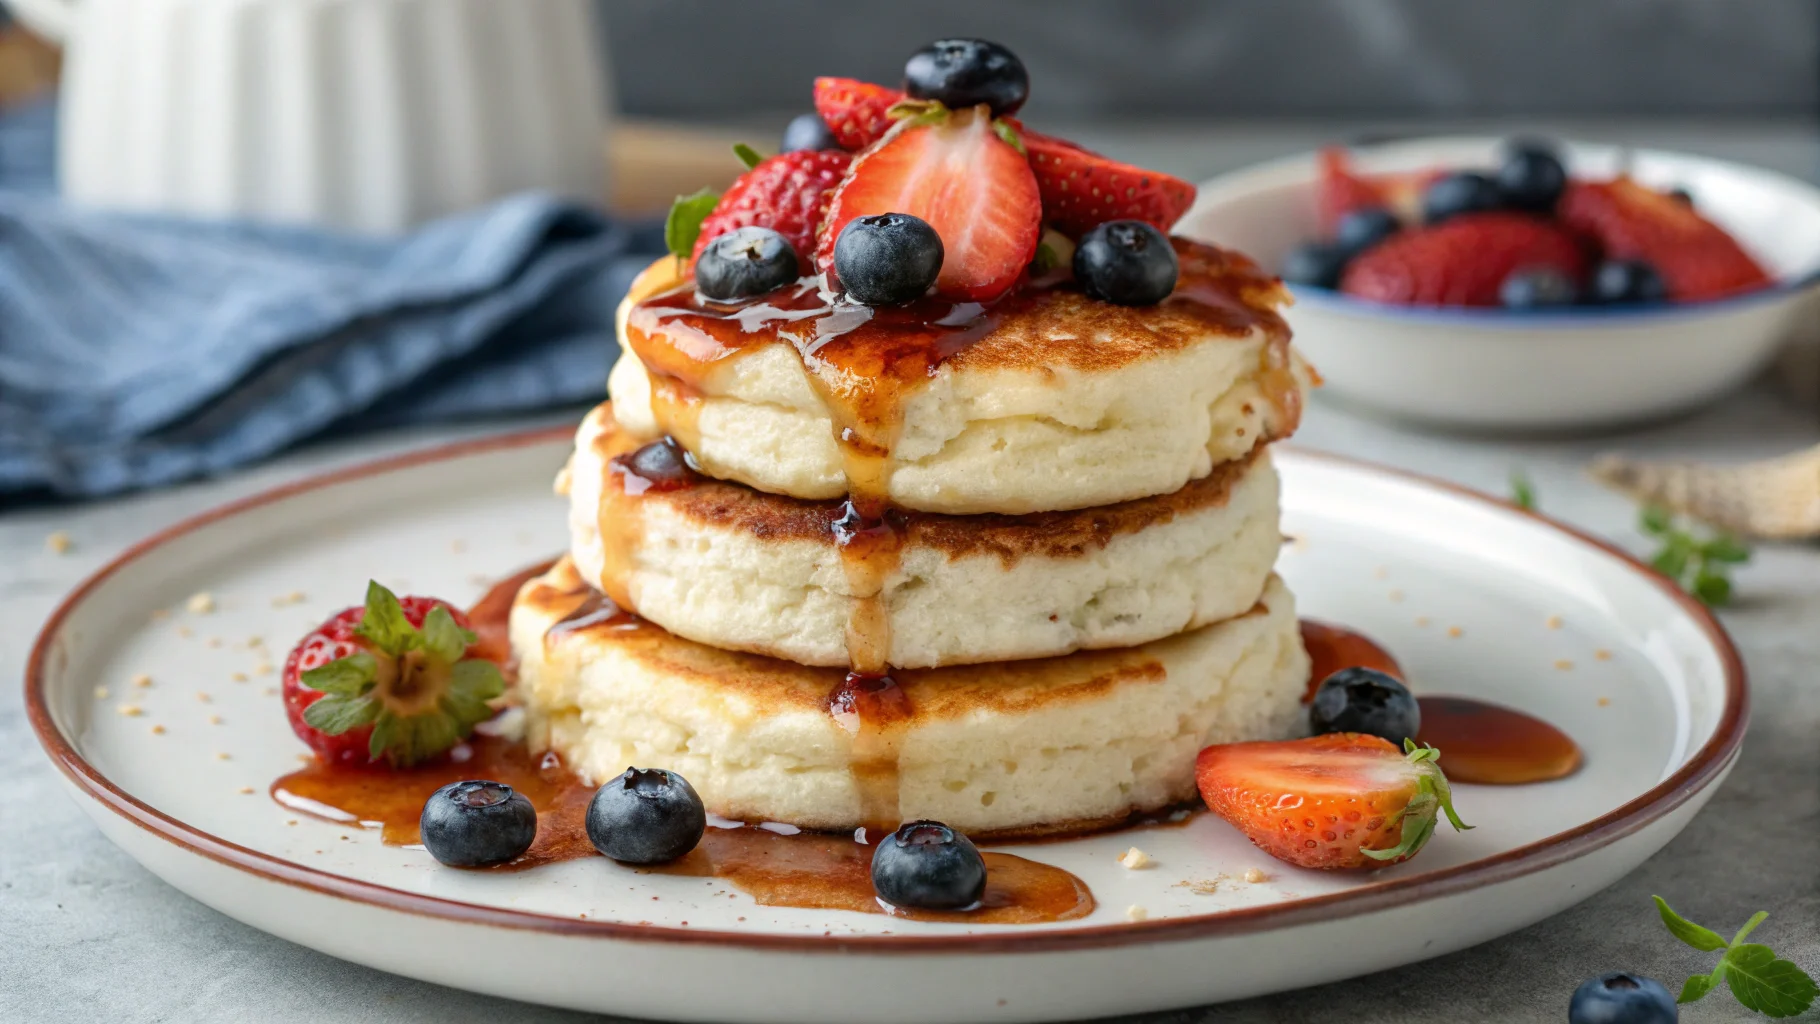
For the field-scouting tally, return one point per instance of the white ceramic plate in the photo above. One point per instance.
(1461, 588)
(1546, 370)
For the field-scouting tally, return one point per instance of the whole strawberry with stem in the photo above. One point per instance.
(393, 681)
(1339, 801)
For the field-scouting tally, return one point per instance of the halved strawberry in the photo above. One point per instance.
(1082, 190)
(1343, 800)
(1696, 258)
(952, 169)
(855, 111)
(394, 680)
(1461, 261)
(785, 193)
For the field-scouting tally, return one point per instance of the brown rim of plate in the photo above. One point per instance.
(1699, 771)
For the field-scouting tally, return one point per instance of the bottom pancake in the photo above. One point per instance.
(1041, 747)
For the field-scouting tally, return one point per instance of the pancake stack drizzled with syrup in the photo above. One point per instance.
(1001, 563)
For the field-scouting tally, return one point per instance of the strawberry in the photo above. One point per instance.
(1343, 800)
(1462, 260)
(1082, 190)
(855, 111)
(391, 680)
(1339, 190)
(955, 171)
(1696, 258)
(785, 193)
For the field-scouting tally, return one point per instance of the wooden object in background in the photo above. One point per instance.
(653, 162)
(28, 64)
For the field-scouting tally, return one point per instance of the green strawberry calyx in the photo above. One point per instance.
(413, 685)
(1433, 797)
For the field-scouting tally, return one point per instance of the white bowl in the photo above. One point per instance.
(1498, 369)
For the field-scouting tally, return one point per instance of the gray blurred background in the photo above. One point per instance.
(718, 60)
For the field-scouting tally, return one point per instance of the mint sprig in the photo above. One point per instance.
(1759, 980)
(747, 155)
(1701, 566)
(683, 226)
(1522, 490)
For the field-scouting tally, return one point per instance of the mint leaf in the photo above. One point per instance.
(747, 155)
(683, 226)
(384, 625)
(344, 677)
(1725, 548)
(1681, 928)
(1750, 926)
(1699, 985)
(1522, 491)
(336, 715)
(1656, 521)
(1711, 588)
(443, 638)
(1672, 560)
(1045, 259)
(1761, 982)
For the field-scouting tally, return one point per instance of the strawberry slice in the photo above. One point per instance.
(1343, 800)
(1082, 190)
(785, 193)
(855, 111)
(394, 681)
(1696, 258)
(953, 170)
(1461, 261)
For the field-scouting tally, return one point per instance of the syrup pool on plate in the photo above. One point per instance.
(776, 865)
(1480, 742)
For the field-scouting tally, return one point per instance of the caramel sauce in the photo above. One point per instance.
(1494, 745)
(1332, 648)
(870, 538)
(777, 867)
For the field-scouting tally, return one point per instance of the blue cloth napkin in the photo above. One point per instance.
(139, 351)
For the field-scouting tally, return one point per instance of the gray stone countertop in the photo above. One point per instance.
(87, 935)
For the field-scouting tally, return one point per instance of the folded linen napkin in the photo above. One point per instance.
(138, 351)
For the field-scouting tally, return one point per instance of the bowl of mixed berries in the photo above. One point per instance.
(1526, 283)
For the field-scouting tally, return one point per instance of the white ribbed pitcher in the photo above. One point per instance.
(368, 115)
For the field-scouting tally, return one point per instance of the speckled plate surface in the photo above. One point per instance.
(1474, 597)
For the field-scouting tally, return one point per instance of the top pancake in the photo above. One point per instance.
(1047, 400)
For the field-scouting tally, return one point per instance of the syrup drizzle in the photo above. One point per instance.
(865, 363)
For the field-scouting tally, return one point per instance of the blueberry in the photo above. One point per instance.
(1625, 282)
(965, 72)
(888, 258)
(744, 262)
(1620, 998)
(475, 823)
(926, 864)
(1537, 288)
(646, 816)
(1532, 177)
(1315, 263)
(807, 131)
(1365, 700)
(1460, 192)
(1126, 262)
(1363, 228)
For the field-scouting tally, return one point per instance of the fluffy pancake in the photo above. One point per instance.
(1034, 747)
(1048, 400)
(725, 565)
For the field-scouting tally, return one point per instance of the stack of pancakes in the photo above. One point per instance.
(1009, 568)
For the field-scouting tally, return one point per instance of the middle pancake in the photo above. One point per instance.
(725, 565)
